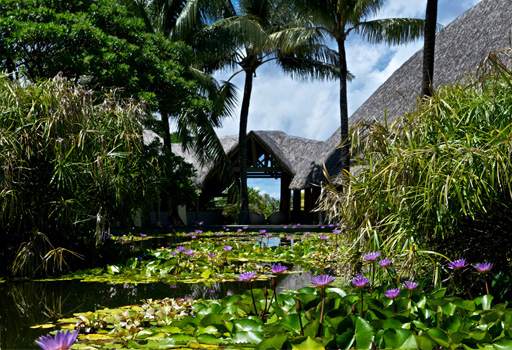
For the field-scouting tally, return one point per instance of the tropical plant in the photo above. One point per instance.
(336, 20)
(438, 177)
(72, 165)
(252, 34)
(179, 20)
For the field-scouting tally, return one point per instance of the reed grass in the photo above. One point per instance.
(434, 173)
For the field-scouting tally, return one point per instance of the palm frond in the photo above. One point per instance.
(186, 20)
(392, 31)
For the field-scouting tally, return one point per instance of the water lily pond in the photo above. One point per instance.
(261, 290)
(30, 309)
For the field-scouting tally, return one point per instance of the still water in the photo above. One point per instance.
(25, 304)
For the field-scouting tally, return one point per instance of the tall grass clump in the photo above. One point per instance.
(71, 164)
(438, 177)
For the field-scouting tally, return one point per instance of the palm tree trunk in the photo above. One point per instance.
(429, 49)
(242, 144)
(345, 149)
(165, 126)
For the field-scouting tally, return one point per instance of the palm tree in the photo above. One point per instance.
(181, 20)
(262, 31)
(337, 19)
(429, 49)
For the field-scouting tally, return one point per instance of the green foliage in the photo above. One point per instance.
(72, 165)
(407, 322)
(258, 203)
(439, 175)
(265, 204)
(98, 45)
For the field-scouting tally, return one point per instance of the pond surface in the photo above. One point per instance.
(26, 304)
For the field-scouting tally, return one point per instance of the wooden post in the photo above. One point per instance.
(296, 205)
(284, 205)
(308, 204)
(315, 194)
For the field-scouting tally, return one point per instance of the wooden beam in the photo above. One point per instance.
(258, 169)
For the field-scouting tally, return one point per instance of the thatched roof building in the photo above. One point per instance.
(460, 48)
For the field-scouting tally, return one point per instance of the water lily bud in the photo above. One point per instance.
(298, 306)
(265, 292)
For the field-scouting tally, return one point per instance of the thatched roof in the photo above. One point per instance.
(460, 48)
(293, 154)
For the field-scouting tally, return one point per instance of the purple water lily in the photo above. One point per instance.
(392, 293)
(384, 262)
(457, 264)
(278, 268)
(143, 235)
(268, 235)
(307, 233)
(360, 281)
(227, 248)
(410, 285)
(180, 249)
(371, 256)
(263, 231)
(483, 267)
(174, 253)
(323, 238)
(247, 276)
(322, 281)
(189, 252)
(63, 340)
(336, 231)
(211, 255)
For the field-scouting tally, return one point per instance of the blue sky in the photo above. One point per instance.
(311, 109)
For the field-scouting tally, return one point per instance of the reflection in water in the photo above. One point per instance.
(25, 304)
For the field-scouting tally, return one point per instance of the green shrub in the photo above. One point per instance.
(71, 165)
(437, 177)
